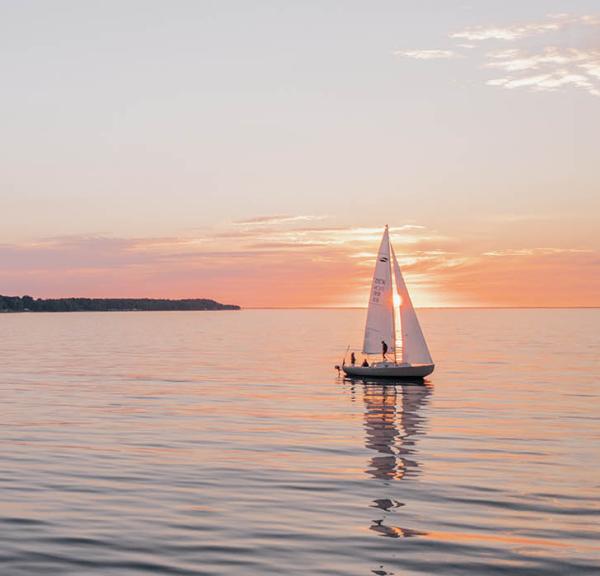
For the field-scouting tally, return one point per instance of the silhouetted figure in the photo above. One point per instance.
(352, 359)
(365, 364)
(384, 347)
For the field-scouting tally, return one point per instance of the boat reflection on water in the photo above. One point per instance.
(393, 421)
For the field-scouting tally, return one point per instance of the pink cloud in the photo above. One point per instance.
(330, 266)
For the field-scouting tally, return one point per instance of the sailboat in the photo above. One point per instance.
(380, 329)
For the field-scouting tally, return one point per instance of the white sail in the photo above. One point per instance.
(380, 317)
(414, 347)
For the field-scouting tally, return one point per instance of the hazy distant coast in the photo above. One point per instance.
(29, 304)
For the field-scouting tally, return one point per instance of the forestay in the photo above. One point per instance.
(380, 316)
(414, 347)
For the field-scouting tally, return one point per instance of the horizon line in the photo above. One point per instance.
(425, 307)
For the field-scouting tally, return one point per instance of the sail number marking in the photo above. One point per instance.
(378, 288)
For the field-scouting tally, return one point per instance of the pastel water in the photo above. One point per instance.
(224, 443)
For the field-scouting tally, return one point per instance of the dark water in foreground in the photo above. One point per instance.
(223, 443)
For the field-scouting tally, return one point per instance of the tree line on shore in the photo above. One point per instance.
(29, 304)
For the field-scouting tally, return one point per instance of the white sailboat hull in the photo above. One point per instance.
(389, 370)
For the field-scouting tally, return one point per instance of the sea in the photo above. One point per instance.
(225, 443)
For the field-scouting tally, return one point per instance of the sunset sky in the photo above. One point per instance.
(252, 152)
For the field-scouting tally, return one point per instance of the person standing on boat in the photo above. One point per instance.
(352, 359)
(384, 348)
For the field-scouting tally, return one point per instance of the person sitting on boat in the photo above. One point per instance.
(384, 347)
(352, 359)
(365, 364)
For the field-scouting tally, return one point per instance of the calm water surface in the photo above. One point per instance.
(223, 443)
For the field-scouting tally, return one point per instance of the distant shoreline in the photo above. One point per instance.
(14, 304)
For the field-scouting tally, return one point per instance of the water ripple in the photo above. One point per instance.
(131, 446)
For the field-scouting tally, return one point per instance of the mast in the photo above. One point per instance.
(391, 250)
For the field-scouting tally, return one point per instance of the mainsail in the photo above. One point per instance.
(380, 317)
(414, 347)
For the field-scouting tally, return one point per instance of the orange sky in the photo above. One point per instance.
(221, 151)
(301, 261)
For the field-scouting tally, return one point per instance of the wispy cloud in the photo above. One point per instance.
(547, 82)
(552, 54)
(427, 54)
(277, 219)
(537, 251)
(518, 60)
(548, 69)
(515, 32)
(552, 23)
